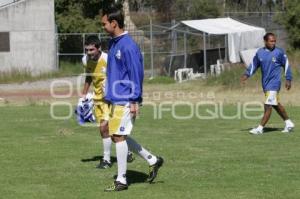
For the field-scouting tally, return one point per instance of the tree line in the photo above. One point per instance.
(83, 15)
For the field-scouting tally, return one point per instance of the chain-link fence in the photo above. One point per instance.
(70, 46)
(167, 47)
(267, 20)
(164, 48)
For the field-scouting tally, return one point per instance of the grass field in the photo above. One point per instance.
(46, 158)
(17, 76)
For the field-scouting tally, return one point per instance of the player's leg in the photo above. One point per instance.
(138, 149)
(267, 115)
(118, 129)
(264, 120)
(101, 112)
(289, 125)
(120, 183)
(121, 151)
(106, 141)
(271, 100)
(281, 111)
(154, 162)
(120, 125)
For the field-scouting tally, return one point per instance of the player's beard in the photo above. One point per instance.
(94, 57)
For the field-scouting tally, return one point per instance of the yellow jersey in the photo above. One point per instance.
(98, 72)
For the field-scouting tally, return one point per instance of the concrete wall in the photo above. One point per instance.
(5, 2)
(31, 24)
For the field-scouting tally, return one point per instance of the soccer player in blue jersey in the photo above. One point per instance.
(124, 88)
(272, 60)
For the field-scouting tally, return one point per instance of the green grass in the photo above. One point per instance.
(19, 76)
(70, 69)
(231, 78)
(42, 157)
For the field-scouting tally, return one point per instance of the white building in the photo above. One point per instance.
(27, 36)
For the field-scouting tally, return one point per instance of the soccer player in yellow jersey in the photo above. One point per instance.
(95, 63)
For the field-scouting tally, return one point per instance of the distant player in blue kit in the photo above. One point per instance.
(271, 60)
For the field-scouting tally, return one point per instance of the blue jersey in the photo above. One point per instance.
(271, 63)
(125, 71)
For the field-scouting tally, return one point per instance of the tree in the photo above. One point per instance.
(184, 9)
(195, 9)
(290, 19)
(79, 16)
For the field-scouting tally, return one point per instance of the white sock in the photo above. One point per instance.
(288, 122)
(260, 127)
(106, 148)
(137, 148)
(122, 151)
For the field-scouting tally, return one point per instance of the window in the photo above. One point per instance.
(4, 42)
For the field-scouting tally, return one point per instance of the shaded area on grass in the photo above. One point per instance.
(134, 177)
(98, 158)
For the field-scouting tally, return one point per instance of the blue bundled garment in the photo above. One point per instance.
(84, 110)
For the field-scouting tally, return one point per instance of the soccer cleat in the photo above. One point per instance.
(256, 131)
(117, 186)
(104, 164)
(288, 128)
(153, 169)
(130, 157)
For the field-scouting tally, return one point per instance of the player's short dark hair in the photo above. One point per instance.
(267, 35)
(114, 11)
(93, 40)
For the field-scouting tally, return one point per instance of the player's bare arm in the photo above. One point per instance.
(134, 109)
(243, 79)
(86, 86)
(288, 84)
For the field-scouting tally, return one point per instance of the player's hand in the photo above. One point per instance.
(243, 79)
(288, 84)
(134, 109)
(83, 97)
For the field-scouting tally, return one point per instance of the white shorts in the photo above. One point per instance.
(272, 98)
(120, 120)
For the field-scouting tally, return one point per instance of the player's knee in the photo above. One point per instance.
(104, 129)
(104, 133)
(113, 139)
(118, 138)
(275, 106)
(267, 106)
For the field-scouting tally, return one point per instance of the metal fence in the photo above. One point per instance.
(267, 20)
(164, 48)
(167, 47)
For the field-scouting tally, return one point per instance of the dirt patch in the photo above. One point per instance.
(61, 89)
(68, 90)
